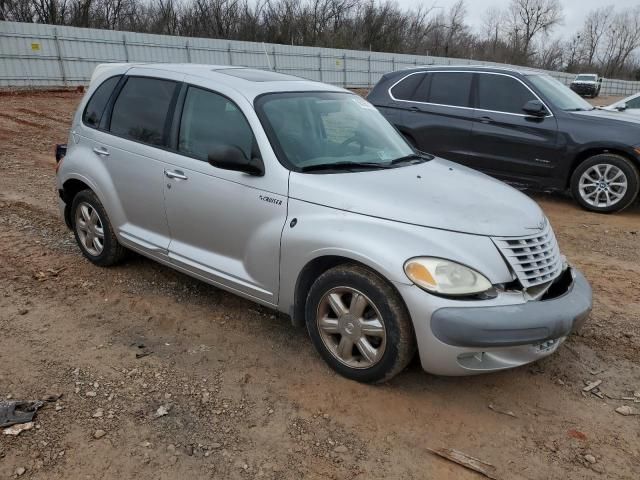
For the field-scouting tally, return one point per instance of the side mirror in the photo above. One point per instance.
(622, 107)
(230, 157)
(535, 108)
(600, 80)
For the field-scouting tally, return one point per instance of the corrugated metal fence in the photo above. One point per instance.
(34, 55)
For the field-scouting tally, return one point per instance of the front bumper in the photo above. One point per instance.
(584, 89)
(467, 337)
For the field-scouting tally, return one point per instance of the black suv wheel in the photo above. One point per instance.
(605, 183)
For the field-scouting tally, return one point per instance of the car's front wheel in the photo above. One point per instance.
(359, 324)
(605, 183)
(93, 231)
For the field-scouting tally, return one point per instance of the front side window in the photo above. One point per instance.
(96, 105)
(633, 103)
(501, 93)
(313, 130)
(141, 110)
(210, 120)
(450, 88)
(559, 95)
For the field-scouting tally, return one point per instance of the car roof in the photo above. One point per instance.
(473, 68)
(249, 82)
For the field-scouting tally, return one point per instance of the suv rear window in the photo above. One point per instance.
(450, 88)
(141, 110)
(501, 93)
(406, 89)
(95, 106)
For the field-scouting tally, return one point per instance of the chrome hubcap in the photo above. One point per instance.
(603, 185)
(351, 327)
(90, 229)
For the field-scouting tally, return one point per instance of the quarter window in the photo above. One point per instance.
(210, 120)
(450, 88)
(502, 93)
(406, 89)
(95, 106)
(141, 111)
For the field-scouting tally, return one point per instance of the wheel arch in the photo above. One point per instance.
(70, 188)
(597, 150)
(316, 267)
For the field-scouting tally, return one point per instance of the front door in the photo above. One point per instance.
(225, 225)
(506, 142)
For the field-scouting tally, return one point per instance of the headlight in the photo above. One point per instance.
(445, 277)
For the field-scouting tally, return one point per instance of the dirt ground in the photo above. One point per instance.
(246, 394)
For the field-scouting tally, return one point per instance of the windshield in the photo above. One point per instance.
(559, 95)
(586, 78)
(330, 130)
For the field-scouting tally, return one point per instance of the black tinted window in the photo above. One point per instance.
(502, 94)
(95, 106)
(210, 120)
(450, 88)
(407, 87)
(141, 110)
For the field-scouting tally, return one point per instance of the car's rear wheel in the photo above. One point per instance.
(93, 231)
(359, 324)
(605, 183)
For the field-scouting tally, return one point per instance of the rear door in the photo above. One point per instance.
(437, 111)
(132, 135)
(506, 142)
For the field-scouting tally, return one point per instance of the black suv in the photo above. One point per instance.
(518, 125)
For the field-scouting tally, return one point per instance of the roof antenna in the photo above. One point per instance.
(267, 55)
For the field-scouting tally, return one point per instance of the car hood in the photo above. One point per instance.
(610, 115)
(584, 82)
(438, 194)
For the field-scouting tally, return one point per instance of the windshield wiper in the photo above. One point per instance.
(411, 158)
(579, 109)
(344, 166)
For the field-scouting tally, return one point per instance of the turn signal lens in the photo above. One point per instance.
(445, 277)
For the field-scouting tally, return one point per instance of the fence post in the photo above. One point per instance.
(369, 72)
(344, 67)
(393, 63)
(59, 52)
(186, 47)
(126, 50)
(229, 53)
(320, 65)
(275, 63)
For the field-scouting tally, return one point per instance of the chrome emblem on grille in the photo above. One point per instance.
(541, 225)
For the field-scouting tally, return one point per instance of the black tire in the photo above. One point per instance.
(112, 252)
(400, 338)
(629, 170)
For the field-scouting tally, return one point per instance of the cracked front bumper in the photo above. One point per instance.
(465, 337)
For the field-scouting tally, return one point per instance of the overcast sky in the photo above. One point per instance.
(574, 10)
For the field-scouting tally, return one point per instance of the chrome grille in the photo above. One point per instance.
(535, 259)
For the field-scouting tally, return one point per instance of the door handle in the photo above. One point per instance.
(175, 174)
(103, 152)
(486, 119)
(414, 109)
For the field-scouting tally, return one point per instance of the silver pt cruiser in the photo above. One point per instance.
(300, 196)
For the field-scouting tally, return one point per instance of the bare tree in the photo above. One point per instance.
(620, 40)
(528, 18)
(595, 25)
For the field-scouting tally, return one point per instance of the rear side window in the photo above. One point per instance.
(450, 88)
(210, 120)
(502, 93)
(95, 106)
(141, 111)
(406, 89)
